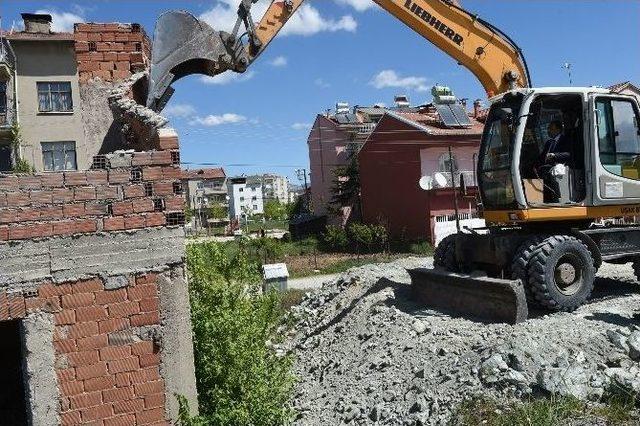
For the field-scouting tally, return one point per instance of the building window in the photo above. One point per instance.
(241, 198)
(255, 207)
(58, 156)
(200, 185)
(618, 126)
(3, 103)
(240, 189)
(254, 198)
(54, 97)
(444, 163)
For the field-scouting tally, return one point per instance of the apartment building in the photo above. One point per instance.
(245, 197)
(205, 187)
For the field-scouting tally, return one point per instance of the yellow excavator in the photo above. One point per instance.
(558, 170)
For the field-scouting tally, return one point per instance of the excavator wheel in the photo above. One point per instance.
(444, 255)
(521, 263)
(561, 273)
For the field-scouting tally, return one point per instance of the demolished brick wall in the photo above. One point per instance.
(92, 262)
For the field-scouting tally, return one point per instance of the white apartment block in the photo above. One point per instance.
(245, 197)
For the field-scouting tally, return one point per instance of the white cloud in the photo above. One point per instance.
(62, 21)
(179, 111)
(320, 82)
(227, 77)
(359, 5)
(390, 78)
(279, 61)
(300, 126)
(217, 120)
(307, 20)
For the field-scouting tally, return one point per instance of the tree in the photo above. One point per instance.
(275, 210)
(218, 211)
(346, 187)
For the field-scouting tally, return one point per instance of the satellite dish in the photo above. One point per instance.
(441, 180)
(425, 182)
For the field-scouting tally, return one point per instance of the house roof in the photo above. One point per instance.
(430, 123)
(215, 173)
(25, 36)
(618, 87)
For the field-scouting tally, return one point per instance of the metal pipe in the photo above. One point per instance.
(455, 192)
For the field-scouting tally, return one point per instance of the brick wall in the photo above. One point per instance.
(97, 254)
(112, 51)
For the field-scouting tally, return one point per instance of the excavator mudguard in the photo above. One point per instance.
(185, 45)
(481, 297)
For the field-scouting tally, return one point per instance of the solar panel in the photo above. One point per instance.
(352, 118)
(342, 119)
(446, 115)
(460, 114)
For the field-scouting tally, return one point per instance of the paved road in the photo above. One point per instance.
(310, 283)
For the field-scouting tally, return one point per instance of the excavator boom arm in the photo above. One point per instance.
(474, 43)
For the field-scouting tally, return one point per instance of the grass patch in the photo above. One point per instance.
(552, 411)
(291, 298)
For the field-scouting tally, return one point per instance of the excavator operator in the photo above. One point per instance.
(556, 153)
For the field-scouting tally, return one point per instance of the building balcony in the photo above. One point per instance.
(442, 180)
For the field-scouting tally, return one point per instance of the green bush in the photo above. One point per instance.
(269, 249)
(240, 379)
(380, 237)
(361, 236)
(422, 248)
(335, 238)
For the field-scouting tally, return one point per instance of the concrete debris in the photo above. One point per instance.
(366, 353)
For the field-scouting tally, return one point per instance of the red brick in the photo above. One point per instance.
(149, 360)
(40, 230)
(52, 305)
(147, 278)
(106, 192)
(27, 215)
(142, 291)
(134, 221)
(163, 188)
(123, 379)
(105, 297)
(83, 358)
(70, 418)
(41, 197)
(131, 406)
(122, 420)
(123, 310)
(87, 66)
(155, 219)
(169, 142)
(161, 158)
(77, 299)
(73, 210)
(17, 307)
(121, 75)
(171, 173)
(84, 193)
(123, 365)
(115, 352)
(62, 195)
(99, 383)
(119, 176)
(4, 233)
(124, 56)
(98, 369)
(89, 399)
(136, 57)
(118, 394)
(96, 209)
(113, 223)
(143, 205)
(66, 375)
(83, 329)
(131, 191)
(122, 207)
(72, 388)
(97, 413)
(145, 375)
(52, 180)
(4, 306)
(50, 212)
(112, 325)
(154, 401)
(8, 216)
(48, 290)
(152, 173)
(87, 286)
(29, 182)
(110, 56)
(33, 304)
(144, 347)
(91, 313)
(142, 158)
(150, 304)
(65, 317)
(65, 346)
(63, 227)
(18, 199)
(107, 66)
(75, 178)
(174, 203)
(150, 416)
(85, 226)
(93, 342)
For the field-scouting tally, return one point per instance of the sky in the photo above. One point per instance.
(353, 51)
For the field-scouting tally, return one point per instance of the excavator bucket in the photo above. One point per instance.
(184, 45)
(480, 297)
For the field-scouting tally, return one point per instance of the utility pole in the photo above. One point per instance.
(455, 192)
(567, 66)
(302, 175)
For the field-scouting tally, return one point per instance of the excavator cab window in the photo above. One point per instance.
(552, 153)
(618, 137)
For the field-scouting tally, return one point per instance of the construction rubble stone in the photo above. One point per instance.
(367, 354)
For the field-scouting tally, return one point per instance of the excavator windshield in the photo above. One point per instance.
(496, 150)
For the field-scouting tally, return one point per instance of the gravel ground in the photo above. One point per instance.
(367, 354)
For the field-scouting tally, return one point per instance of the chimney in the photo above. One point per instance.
(477, 106)
(37, 23)
(401, 101)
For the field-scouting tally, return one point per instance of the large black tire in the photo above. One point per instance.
(521, 263)
(444, 255)
(561, 273)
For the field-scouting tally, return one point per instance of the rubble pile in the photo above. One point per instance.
(367, 354)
